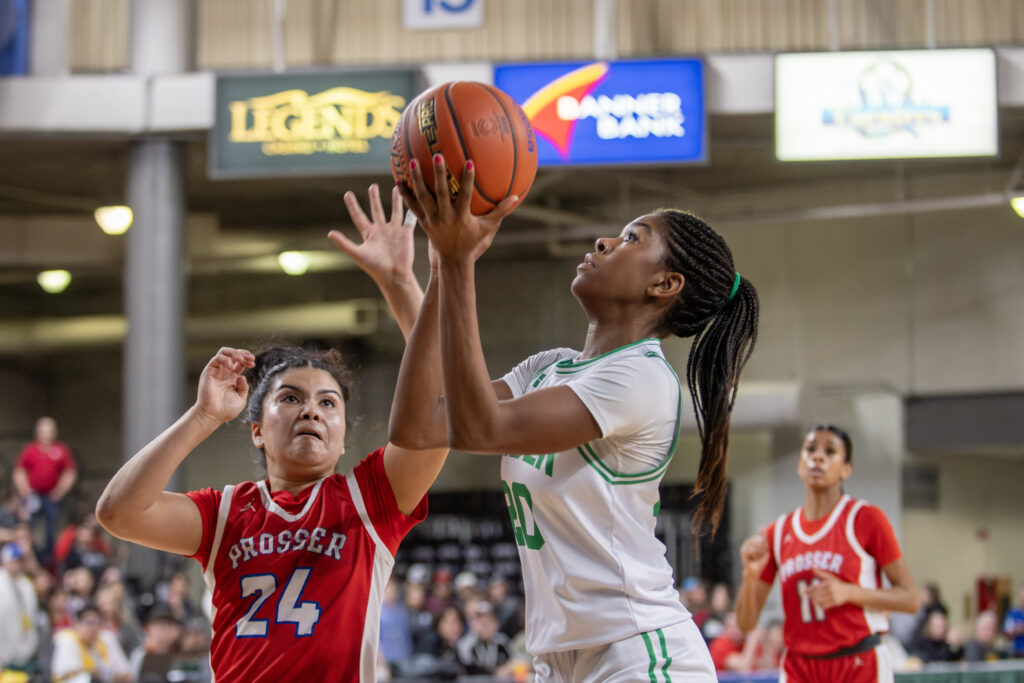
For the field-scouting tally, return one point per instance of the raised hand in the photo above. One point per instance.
(754, 554)
(222, 387)
(453, 230)
(386, 251)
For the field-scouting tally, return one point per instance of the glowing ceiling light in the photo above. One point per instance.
(293, 262)
(114, 220)
(54, 281)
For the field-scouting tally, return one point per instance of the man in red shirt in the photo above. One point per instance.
(44, 473)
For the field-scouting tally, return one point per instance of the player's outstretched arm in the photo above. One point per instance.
(753, 591)
(385, 253)
(479, 417)
(134, 505)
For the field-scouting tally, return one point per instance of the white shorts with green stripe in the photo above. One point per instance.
(675, 654)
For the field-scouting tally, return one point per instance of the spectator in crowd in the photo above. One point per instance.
(79, 584)
(440, 659)
(713, 622)
(193, 663)
(110, 599)
(12, 513)
(931, 601)
(19, 640)
(934, 644)
(507, 606)
(731, 650)
(1013, 625)
(441, 592)
(395, 626)
(58, 610)
(421, 622)
(151, 662)
(769, 656)
(466, 587)
(82, 544)
(984, 645)
(84, 654)
(44, 473)
(484, 650)
(174, 592)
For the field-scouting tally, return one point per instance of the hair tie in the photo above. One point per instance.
(735, 288)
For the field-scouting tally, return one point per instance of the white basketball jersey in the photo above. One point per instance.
(593, 570)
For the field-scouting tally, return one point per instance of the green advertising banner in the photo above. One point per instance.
(307, 123)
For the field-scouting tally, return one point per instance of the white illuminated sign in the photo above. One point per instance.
(886, 105)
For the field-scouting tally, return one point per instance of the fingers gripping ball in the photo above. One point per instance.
(468, 120)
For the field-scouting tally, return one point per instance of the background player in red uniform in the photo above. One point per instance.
(830, 556)
(297, 562)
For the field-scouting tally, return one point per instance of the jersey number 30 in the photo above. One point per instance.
(290, 608)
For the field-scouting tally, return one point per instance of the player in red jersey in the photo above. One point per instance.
(297, 562)
(830, 556)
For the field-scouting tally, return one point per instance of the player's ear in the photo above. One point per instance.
(257, 435)
(666, 284)
(847, 470)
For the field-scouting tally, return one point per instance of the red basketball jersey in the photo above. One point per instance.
(298, 581)
(853, 542)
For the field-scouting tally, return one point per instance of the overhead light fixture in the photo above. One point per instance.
(293, 262)
(1017, 204)
(114, 220)
(54, 281)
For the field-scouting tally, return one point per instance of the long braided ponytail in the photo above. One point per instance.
(719, 308)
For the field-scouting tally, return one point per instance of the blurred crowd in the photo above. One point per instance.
(68, 613)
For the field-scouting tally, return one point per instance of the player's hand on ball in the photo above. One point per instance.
(829, 591)
(386, 251)
(453, 230)
(222, 387)
(754, 554)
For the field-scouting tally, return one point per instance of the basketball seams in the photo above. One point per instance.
(515, 141)
(462, 141)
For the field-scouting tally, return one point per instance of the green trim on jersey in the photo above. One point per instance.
(570, 366)
(654, 657)
(540, 375)
(616, 478)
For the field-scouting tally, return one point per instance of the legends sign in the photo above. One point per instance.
(307, 123)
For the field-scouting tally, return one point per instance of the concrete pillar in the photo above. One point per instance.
(154, 277)
(49, 39)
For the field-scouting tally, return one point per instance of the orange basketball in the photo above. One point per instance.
(468, 120)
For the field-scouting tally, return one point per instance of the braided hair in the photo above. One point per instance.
(273, 361)
(720, 309)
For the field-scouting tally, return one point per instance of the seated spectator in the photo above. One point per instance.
(82, 544)
(484, 650)
(466, 587)
(395, 627)
(731, 650)
(507, 606)
(933, 645)
(193, 663)
(984, 646)
(84, 654)
(57, 609)
(1013, 626)
(19, 640)
(931, 601)
(721, 605)
(769, 655)
(421, 622)
(441, 593)
(151, 662)
(79, 584)
(117, 617)
(174, 592)
(441, 659)
(12, 513)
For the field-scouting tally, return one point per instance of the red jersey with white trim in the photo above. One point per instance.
(298, 581)
(853, 542)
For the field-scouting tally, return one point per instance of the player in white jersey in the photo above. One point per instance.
(597, 427)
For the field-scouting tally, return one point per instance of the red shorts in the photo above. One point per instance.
(872, 666)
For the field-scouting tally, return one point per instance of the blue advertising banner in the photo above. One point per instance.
(600, 113)
(13, 37)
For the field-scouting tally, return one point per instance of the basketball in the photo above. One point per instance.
(467, 120)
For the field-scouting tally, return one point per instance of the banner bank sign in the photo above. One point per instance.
(307, 124)
(599, 113)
